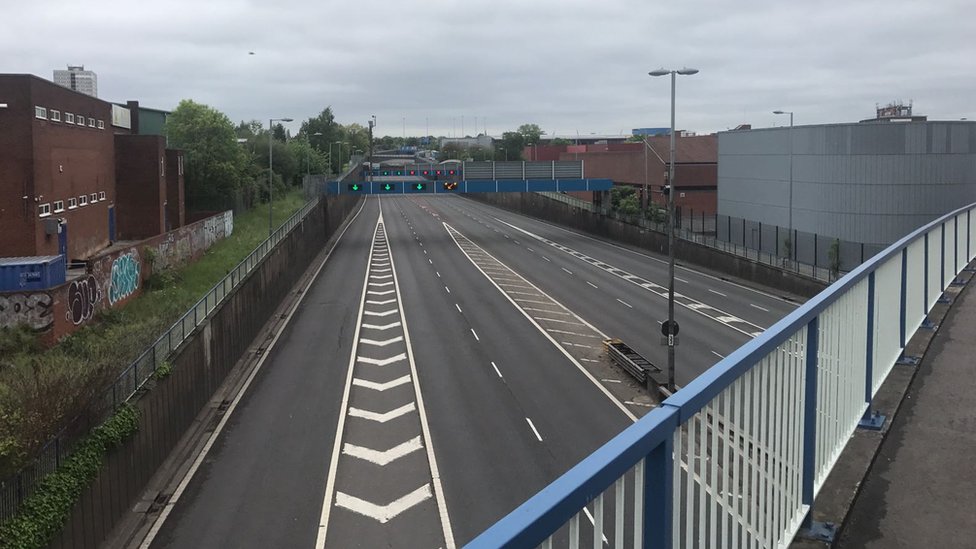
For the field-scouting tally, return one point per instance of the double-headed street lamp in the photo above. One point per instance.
(271, 171)
(340, 143)
(670, 329)
(308, 154)
(792, 249)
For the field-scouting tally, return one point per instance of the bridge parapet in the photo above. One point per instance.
(737, 457)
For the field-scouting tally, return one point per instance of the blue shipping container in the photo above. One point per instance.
(19, 274)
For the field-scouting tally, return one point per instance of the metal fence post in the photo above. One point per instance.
(810, 419)
(942, 284)
(904, 290)
(659, 496)
(872, 419)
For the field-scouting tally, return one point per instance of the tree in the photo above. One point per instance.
(561, 141)
(216, 166)
(511, 145)
(531, 133)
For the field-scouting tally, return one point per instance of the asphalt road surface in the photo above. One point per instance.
(455, 350)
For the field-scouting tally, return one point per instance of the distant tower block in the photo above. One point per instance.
(78, 79)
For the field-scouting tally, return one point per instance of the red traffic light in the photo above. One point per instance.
(426, 172)
(450, 172)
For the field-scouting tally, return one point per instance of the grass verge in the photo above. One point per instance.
(41, 390)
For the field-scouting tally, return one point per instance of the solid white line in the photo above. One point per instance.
(534, 430)
(337, 445)
(567, 270)
(717, 293)
(475, 334)
(625, 303)
(592, 284)
(497, 371)
(459, 308)
(758, 307)
(718, 355)
(167, 509)
(425, 428)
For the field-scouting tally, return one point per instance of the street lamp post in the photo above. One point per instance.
(271, 171)
(340, 143)
(671, 329)
(790, 207)
(308, 155)
(372, 124)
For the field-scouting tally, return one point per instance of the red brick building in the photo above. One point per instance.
(645, 165)
(57, 169)
(72, 177)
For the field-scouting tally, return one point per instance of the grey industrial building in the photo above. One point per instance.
(863, 184)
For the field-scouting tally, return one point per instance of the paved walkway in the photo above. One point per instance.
(922, 489)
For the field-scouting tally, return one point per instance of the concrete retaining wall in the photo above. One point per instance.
(542, 207)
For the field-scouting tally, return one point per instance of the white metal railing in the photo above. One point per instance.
(736, 458)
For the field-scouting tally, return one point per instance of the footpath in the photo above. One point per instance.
(921, 490)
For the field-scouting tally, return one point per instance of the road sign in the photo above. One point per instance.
(664, 328)
(419, 186)
(450, 185)
(388, 187)
(355, 187)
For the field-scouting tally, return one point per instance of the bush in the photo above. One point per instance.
(44, 513)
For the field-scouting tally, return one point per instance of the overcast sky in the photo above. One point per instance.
(568, 65)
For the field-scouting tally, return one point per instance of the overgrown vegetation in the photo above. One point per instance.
(40, 391)
(43, 514)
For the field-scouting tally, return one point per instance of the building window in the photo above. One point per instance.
(44, 210)
(80, 119)
(58, 206)
(72, 203)
(69, 118)
(55, 115)
(83, 200)
(101, 125)
(94, 197)
(91, 122)
(40, 112)
(101, 195)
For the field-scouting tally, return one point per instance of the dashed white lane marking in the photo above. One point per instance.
(459, 308)
(718, 355)
(758, 307)
(589, 360)
(384, 457)
(681, 280)
(497, 371)
(567, 270)
(611, 380)
(592, 284)
(625, 303)
(383, 513)
(530, 249)
(475, 334)
(644, 404)
(381, 386)
(534, 430)
(448, 289)
(438, 274)
(717, 293)
(547, 259)
(429, 261)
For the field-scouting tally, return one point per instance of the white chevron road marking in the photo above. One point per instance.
(384, 327)
(381, 270)
(382, 361)
(384, 302)
(381, 284)
(381, 386)
(380, 277)
(385, 292)
(383, 513)
(384, 417)
(384, 313)
(383, 457)
(383, 343)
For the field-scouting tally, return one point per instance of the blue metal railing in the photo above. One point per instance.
(737, 456)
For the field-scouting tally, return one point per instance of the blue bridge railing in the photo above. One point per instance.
(737, 456)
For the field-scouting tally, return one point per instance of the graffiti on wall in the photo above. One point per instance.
(35, 310)
(83, 296)
(124, 278)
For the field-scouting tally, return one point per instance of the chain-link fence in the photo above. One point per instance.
(19, 486)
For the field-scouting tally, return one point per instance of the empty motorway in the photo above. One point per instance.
(445, 365)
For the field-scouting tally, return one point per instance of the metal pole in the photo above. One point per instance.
(671, 384)
(793, 248)
(270, 178)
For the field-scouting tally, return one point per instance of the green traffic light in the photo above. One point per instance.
(420, 186)
(387, 187)
(355, 187)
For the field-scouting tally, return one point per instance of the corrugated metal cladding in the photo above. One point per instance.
(871, 182)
